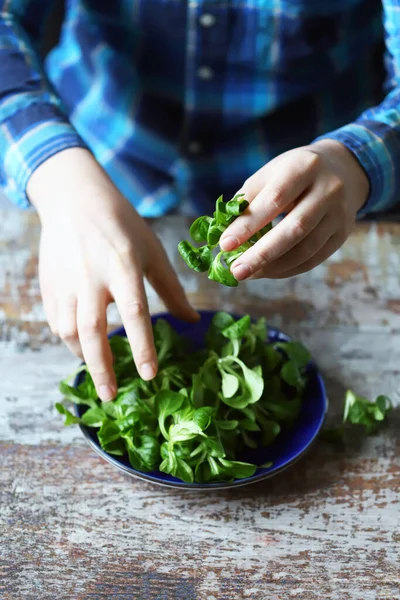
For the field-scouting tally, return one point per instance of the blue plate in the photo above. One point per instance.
(286, 449)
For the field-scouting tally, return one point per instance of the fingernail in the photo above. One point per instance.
(106, 393)
(195, 315)
(241, 272)
(229, 243)
(147, 371)
(187, 313)
(192, 309)
(189, 309)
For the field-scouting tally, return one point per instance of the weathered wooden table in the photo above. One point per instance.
(329, 528)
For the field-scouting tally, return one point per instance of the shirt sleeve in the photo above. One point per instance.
(374, 138)
(33, 123)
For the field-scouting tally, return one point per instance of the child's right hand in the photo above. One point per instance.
(96, 249)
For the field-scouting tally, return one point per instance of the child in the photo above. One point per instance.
(145, 102)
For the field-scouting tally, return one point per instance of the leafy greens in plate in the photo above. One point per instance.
(204, 408)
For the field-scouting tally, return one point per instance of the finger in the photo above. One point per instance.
(305, 250)
(252, 186)
(166, 284)
(50, 310)
(92, 329)
(130, 297)
(289, 232)
(294, 177)
(333, 244)
(66, 324)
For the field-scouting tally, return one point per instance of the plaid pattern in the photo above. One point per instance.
(186, 99)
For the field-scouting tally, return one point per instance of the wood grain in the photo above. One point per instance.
(73, 528)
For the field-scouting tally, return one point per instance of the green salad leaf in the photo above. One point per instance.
(209, 230)
(360, 411)
(70, 419)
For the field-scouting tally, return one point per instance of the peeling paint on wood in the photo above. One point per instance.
(73, 528)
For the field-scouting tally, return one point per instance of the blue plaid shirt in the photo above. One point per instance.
(182, 99)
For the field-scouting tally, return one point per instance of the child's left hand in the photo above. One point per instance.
(320, 188)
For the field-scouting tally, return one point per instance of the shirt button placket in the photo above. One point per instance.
(194, 147)
(207, 20)
(204, 72)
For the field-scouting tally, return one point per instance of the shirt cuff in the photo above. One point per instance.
(377, 147)
(27, 139)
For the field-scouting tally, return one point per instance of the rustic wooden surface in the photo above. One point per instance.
(73, 528)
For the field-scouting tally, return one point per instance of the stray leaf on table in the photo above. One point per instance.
(360, 411)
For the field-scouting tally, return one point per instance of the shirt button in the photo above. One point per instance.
(207, 20)
(205, 73)
(194, 147)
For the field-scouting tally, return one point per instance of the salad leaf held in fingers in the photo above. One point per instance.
(207, 231)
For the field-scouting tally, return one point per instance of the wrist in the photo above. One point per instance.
(63, 180)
